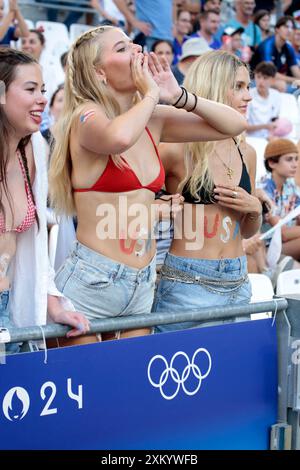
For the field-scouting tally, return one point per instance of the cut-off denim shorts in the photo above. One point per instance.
(5, 321)
(191, 283)
(103, 288)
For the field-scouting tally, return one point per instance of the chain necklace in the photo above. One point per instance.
(228, 168)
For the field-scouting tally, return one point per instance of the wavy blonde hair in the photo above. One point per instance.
(210, 76)
(81, 86)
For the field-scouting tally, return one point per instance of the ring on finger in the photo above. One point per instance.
(234, 194)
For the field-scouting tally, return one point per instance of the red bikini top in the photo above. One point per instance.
(121, 180)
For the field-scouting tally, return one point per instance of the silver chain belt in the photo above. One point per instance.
(173, 274)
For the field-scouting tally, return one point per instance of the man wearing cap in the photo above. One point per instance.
(281, 162)
(232, 41)
(191, 49)
(209, 23)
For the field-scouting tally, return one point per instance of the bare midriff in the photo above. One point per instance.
(118, 226)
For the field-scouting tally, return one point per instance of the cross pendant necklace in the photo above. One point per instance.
(229, 171)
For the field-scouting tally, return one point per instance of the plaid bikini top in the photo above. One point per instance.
(30, 216)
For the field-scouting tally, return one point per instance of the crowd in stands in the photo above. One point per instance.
(199, 43)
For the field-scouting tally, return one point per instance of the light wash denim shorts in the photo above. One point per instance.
(5, 321)
(216, 282)
(103, 288)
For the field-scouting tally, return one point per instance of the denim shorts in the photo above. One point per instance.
(103, 288)
(216, 282)
(5, 321)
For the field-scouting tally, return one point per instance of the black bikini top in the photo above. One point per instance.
(205, 197)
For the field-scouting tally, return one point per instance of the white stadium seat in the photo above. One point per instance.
(289, 109)
(76, 29)
(57, 37)
(288, 282)
(262, 290)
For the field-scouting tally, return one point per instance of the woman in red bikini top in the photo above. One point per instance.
(105, 167)
(21, 106)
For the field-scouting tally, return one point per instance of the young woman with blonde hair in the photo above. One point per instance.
(206, 264)
(106, 168)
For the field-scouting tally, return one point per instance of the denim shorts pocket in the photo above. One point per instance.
(92, 276)
(165, 286)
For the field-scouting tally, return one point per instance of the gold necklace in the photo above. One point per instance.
(228, 168)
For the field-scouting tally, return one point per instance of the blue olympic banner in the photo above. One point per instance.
(206, 388)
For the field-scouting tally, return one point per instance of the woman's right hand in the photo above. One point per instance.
(142, 77)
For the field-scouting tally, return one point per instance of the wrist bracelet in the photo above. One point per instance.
(182, 92)
(195, 104)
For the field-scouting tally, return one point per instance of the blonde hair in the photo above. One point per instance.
(81, 86)
(210, 77)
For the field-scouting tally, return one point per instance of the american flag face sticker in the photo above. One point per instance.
(84, 117)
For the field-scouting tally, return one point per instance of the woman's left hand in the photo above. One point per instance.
(161, 72)
(238, 199)
(77, 320)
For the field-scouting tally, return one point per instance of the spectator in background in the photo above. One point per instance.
(278, 50)
(262, 20)
(109, 13)
(12, 25)
(191, 49)
(153, 18)
(243, 19)
(281, 162)
(265, 105)
(182, 29)
(53, 75)
(212, 5)
(295, 41)
(34, 45)
(163, 49)
(209, 23)
(232, 42)
(55, 108)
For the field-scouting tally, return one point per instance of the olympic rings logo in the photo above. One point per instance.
(180, 380)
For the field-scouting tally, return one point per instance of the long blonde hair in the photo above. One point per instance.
(210, 76)
(81, 86)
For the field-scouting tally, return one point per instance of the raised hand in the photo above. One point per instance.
(142, 77)
(169, 90)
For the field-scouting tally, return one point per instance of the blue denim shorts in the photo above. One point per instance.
(103, 288)
(217, 282)
(5, 321)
